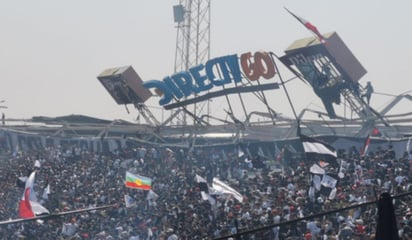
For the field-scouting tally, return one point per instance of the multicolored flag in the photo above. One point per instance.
(309, 26)
(137, 181)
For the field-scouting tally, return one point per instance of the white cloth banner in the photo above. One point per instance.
(316, 169)
(224, 188)
(328, 181)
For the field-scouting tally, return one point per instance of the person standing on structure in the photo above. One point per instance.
(368, 92)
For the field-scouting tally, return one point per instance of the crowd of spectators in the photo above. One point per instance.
(273, 192)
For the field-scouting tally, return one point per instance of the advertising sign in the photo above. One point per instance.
(217, 72)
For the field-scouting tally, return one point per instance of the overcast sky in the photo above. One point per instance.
(51, 51)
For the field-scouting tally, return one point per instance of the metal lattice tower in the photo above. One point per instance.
(193, 39)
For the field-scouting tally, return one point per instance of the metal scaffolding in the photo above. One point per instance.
(192, 42)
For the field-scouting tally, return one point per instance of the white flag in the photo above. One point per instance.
(46, 192)
(200, 179)
(37, 164)
(151, 195)
(316, 169)
(69, 229)
(224, 188)
(240, 153)
(316, 182)
(207, 197)
(260, 152)
(328, 181)
(129, 201)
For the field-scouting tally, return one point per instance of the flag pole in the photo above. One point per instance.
(298, 130)
(308, 26)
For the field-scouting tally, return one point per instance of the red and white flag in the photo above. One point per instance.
(365, 147)
(309, 26)
(376, 132)
(28, 206)
(25, 210)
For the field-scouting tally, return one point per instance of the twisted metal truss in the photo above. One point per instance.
(193, 41)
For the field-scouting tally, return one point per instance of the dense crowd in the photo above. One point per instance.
(175, 209)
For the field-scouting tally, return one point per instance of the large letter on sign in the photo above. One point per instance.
(184, 81)
(267, 71)
(248, 67)
(254, 70)
(200, 79)
(221, 68)
(162, 87)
